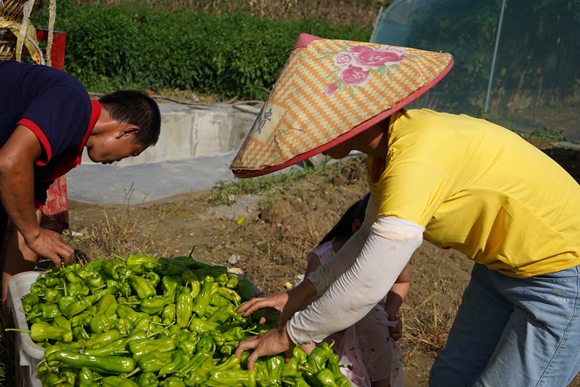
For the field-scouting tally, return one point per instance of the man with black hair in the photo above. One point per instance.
(46, 119)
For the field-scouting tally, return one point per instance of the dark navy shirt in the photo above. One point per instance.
(56, 107)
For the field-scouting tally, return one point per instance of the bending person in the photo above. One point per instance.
(46, 119)
(457, 181)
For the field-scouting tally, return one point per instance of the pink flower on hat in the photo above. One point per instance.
(376, 58)
(354, 76)
(330, 88)
(360, 48)
(342, 60)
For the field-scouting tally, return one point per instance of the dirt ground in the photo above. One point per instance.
(265, 229)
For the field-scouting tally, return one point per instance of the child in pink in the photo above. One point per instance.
(369, 348)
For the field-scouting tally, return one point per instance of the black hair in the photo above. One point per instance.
(343, 228)
(135, 108)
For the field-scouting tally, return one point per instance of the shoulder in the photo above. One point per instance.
(323, 252)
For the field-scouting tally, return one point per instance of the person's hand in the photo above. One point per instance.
(287, 303)
(49, 244)
(397, 332)
(272, 342)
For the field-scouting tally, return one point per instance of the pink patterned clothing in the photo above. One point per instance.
(366, 348)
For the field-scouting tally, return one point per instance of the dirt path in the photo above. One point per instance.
(265, 228)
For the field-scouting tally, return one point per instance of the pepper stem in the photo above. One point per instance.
(191, 252)
(119, 257)
(17, 330)
(137, 369)
(64, 286)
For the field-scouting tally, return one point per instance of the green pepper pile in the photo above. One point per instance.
(151, 322)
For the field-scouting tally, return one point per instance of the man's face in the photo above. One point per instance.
(114, 147)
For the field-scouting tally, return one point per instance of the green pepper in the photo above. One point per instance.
(179, 359)
(208, 366)
(106, 314)
(80, 319)
(217, 300)
(235, 377)
(230, 295)
(262, 376)
(95, 265)
(140, 348)
(200, 326)
(274, 365)
(68, 374)
(52, 295)
(75, 308)
(117, 346)
(236, 334)
(325, 378)
(210, 310)
(28, 301)
(155, 361)
(95, 281)
(172, 382)
(291, 369)
(217, 337)
(189, 277)
(49, 377)
(223, 314)
(106, 364)
(246, 289)
(97, 296)
(165, 267)
(155, 305)
(319, 356)
(116, 269)
(184, 309)
(74, 346)
(72, 277)
(202, 300)
(79, 334)
(143, 287)
(135, 262)
(300, 382)
(43, 331)
(75, 290)
(103, 339)
(53, 281)
(187, 342)
(50, 349)
(339, 378)
(205, 350)
(61, 321)
(38, 289)
(46, 312)
(129, 314)
(115, 381)
(233, 281)
(169, 314)
(153, 278)
(147, 379)
(86, 378)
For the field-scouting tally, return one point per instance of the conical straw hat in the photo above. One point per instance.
(329, 91)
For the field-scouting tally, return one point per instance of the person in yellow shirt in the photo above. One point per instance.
(461, 183)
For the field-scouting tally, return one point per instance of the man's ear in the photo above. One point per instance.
(127, 130)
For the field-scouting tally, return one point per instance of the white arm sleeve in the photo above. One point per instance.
(387, 250)
(326, 274)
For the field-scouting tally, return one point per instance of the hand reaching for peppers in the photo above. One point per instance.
(287, 303)
(273, 342)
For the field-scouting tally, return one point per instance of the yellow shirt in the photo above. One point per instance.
(480, 189)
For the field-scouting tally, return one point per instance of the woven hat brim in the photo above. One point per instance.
(248, 173)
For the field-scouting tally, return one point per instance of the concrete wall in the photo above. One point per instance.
(192, 131)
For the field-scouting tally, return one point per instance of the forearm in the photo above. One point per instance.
(395, 298)
(17, 196)
(354, 294)
(17, 158)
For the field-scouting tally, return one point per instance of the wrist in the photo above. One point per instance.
(31, 234)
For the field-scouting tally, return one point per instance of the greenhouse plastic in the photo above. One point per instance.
(516, 61)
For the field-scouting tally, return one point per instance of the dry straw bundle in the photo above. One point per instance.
(16, 32)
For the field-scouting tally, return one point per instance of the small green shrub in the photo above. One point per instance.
(112, 48)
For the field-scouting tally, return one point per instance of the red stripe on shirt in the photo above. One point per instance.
(41, 137)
